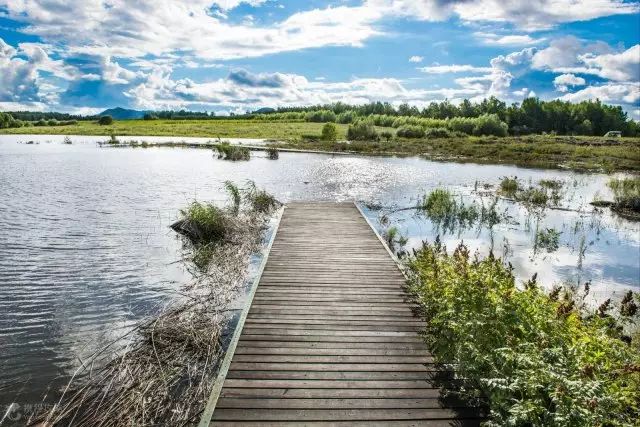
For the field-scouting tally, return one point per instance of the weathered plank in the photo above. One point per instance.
(330, 337)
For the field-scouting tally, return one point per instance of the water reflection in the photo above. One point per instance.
(86, 252)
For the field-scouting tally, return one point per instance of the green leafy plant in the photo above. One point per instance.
(536, 358)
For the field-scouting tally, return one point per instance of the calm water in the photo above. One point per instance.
(86, 252)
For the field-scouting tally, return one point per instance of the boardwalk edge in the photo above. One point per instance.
(393, 256)
(207, 414)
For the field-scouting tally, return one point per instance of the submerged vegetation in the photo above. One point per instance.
(165, 373)
(449, 214)
(547, 193)
(537, 359)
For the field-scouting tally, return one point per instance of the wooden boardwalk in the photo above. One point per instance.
(329, 338)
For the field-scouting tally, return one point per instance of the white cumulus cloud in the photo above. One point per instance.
(564, 81)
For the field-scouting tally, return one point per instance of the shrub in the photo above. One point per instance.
(346, 117)
(41, 122)
(462, 124)
(490, 124)
(409, 131)
(386, 135)
(535, 357)
(105, 120)
(362, 131)
(321, 116)
(52, 122)
(150, 116)
(437, 133)
(329, 132)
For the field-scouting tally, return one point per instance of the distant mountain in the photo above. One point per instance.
(264, 110)
(123, 113)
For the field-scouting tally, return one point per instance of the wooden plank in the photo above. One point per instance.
(331, 337)
(229, 402)
(259, 414)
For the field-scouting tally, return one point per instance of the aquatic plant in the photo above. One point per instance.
(258, 199)
(202, 223)
(536, 358)
(67, 140)
(113, 140)
(626, 194)
(551, 184)
(548, 239)
(449, 214)
(395, 240)
(272, 153)
(509, 186)
(231, 152)
(234, 193)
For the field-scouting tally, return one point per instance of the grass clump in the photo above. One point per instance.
(273, 153)
(626, 196)
(203, 223)
(536, 359)
(442, 208)
(259, 200)
(395, 240)
(231, 152)
(509, 186)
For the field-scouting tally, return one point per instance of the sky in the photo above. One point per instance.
(82, 56)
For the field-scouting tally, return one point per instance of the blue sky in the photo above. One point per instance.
(232, 55)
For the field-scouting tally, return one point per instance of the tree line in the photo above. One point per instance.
(532, 116)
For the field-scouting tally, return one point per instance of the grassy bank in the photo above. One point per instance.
(579, 153)
(535, 358)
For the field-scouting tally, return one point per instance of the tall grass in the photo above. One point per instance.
(231, 152)
(626, 193)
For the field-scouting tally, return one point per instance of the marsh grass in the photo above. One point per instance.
(272, 153)
(231, 152)
(626, 196)
(395, 240)
(547, 193)
(164, 375)
(450, 214)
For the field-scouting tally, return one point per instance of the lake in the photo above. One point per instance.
(86, 251)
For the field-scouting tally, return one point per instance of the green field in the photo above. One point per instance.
(579, 153)
(287, 131)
